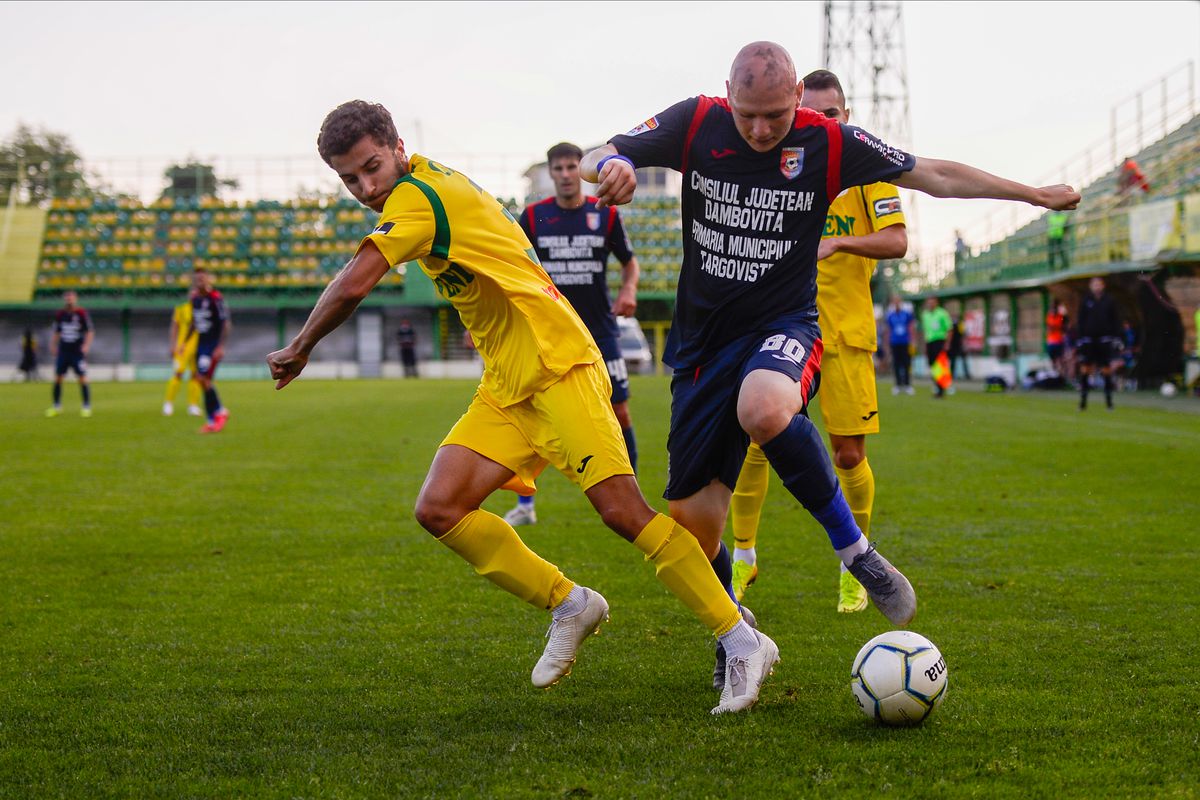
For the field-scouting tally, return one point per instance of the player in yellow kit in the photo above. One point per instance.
(864, 224)
(182, 340)
(544, 397)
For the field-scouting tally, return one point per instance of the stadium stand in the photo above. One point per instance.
(101, 245)
(1100, 229)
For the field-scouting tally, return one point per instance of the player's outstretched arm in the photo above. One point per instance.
(613, 172)
(952, 179)
(343, 294)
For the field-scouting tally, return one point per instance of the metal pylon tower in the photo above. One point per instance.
(864, 46)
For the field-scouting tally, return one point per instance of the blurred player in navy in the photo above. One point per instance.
(210, 321)
(1100, 336)
(69, 345)
(573, 239)
(759, 174)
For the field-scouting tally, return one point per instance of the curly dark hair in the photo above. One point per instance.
(351, 121)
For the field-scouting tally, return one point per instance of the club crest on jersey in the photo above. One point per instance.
(648, 125)
(887, 205)
(593, 221)
(791, 161)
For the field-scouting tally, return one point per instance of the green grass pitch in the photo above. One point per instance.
(255, 614)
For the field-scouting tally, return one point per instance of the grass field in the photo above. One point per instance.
(255, 614)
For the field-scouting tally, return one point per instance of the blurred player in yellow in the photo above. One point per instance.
(544, 397)
(183, 338)
(864, 224)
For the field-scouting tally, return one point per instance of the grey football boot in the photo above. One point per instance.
(890, 591)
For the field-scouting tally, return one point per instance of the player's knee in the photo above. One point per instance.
(434, 515)
(766, 421)
(848, 457)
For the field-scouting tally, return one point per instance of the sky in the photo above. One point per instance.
(1016, 88)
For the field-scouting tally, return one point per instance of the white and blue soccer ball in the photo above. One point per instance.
(898, 678)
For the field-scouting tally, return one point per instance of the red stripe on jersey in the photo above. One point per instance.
(612, 217)
(529, 210)
(833, 176)
(702, 107)
(810, 370)
(807, 118)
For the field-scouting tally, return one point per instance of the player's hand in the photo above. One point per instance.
(219, 352)
(618, 180)
(1059, 197)
(286, 365)
(826, 248)
(626, 304)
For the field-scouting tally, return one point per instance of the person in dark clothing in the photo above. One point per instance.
(28, 363)
(1099, 334)
(406, 335)
(956, 351)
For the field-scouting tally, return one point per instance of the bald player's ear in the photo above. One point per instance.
(799, 93)
(728, 90)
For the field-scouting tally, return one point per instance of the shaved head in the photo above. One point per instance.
(763, 94)
(762, 65)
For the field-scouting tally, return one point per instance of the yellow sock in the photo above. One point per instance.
(858, 484)
(680, 564)
(492, 547)
(748, 497)
(195, 392)
(172, 389)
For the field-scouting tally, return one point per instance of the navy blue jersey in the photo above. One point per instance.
(751, 221)
(573, 245)
(1098, 317)
(208, 318)
(71, 325)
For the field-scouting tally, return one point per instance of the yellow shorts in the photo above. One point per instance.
(849, 405)
(570, 424)
(185, 361)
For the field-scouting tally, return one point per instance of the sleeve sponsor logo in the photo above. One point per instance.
(888, 152)
(384, 228)
(887, 205)
(648, 125)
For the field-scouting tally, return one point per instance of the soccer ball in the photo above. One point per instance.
(898, 678)
(1167, 389)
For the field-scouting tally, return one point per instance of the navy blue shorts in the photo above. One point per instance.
(70, 358)
(706, 440)
(618, 372)
(206, 365)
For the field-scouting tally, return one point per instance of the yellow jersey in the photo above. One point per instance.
(480, 260)
(183, 321)
(847, 315)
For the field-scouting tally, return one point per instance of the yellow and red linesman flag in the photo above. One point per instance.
(940, 371)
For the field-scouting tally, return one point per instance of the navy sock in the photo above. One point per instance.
(1108, 389)
(799, 458)
(211, 403)
(86, 390)
(58, 393)
(723, 566)
(630, 445)
(522, 500)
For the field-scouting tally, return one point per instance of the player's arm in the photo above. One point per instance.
(626, 303)
(889, 242)
(87, 341)
(613, 172)
(226, 327)
(54, 342)
(951, 179)
(343, 294)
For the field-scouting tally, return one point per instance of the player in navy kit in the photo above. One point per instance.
(210, 321)
(69, 345)
(573, 238)
(759, 174)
